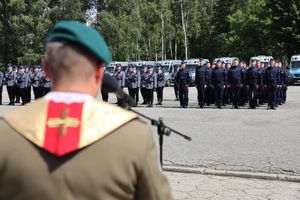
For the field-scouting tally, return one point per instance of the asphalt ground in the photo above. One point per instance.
(258, 140)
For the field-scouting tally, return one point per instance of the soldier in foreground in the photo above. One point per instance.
(72, 146)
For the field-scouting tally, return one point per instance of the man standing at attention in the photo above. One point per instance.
(201, 82)
(183, 79)
(72, 146)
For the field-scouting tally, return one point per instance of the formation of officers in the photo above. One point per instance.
(236, 84)
(19, 81)
(145, 81)
(218, 84)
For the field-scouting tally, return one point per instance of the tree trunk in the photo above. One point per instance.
(162, 35)
(184, 25)
(175, 50)
(171, 50)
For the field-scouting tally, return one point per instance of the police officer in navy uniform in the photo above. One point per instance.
(120, 77)
(219, 81)
(270, 80)
(2, 80)
(227, 94)
(235, 83)
(252, 78)
(10, 80)
(201, 82)
(183, 79)
(160, 85)
(133, 80)
(261, 89)
(175, 86)
(22, 84)
(280, 83)
(285, 85)
(209, 92)
(151, 85)
(244, 89)
(36, 78)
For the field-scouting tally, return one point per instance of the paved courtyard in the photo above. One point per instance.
(205, 187)
(238, 140)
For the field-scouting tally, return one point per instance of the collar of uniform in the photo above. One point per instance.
(68, 97)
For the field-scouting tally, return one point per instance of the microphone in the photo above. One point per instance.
(110, 85)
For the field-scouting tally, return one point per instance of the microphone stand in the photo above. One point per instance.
(162, 130)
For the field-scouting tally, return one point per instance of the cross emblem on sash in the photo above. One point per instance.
(63, 122)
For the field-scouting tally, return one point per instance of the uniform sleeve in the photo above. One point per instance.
(152, 184)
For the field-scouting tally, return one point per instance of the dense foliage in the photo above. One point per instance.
(157, 29)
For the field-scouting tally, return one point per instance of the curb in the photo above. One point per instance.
(240, 174)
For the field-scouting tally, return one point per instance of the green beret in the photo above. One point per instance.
(82, 35)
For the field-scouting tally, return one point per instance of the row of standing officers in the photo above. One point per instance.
(20, 80)
(219, 84)
(235, 84)
(145, 81)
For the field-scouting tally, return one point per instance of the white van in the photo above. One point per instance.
(225, 59)
(262, 59)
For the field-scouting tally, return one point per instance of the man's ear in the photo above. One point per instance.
(99, 73)
(45, 64)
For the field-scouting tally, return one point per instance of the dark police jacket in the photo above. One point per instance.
(219, 77)
(209, 76)
(271, 76)
(252, 76)
(235, 76)
(183, 78)
(201, 75)
(280, 76)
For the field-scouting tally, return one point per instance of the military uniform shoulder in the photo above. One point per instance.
(95, 121)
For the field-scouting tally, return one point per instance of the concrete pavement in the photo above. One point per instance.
(242, 141)
(187, 186)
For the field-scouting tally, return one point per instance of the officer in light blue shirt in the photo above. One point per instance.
(10, 79)
(150, 85)
(133, 80)
(160, 85)
(22, 84)
(28, 88)
(36, 78)
(120, 77)
(46, 84)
